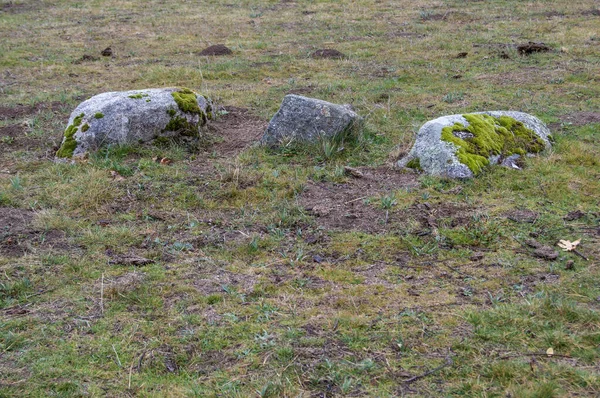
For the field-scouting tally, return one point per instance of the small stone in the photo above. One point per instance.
(574, 215)
(570, 265)
(546, 253)
(318, 259)
(478, 256)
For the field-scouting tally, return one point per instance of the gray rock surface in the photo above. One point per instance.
(307, 119)
(438, 157)
(131, 117)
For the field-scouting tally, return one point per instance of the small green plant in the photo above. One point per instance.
(388, 201)
(6, 139)
(453, 97)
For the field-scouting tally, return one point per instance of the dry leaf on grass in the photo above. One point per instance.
(568, 246)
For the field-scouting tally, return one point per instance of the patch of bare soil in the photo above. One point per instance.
(582, 118)
(20, 111)
(406, 35)
(528, 75)
(522, 216)
(218, 280)
(17, 235)
(216, 50)
(343, 207)
(328, 53)
(593, 12)
(450, 16)
(235, 131)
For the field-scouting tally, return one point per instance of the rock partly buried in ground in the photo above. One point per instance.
(461, 146)
(302, 119)
(132, 117)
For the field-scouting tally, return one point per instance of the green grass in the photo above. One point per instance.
(251, 293)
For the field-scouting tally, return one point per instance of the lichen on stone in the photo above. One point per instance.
(69, 144)
(488, 136)
(187, 101)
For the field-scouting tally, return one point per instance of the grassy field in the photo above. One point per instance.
(273, 272)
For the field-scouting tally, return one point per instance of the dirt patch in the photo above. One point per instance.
(17, 236)
(235, 131)
(522, 76)
(301, 90)
(86, 58)
(407, 35)
(593, 12)
(450, 16)
(343, 206)
(216, 50)
(582, 118)
(221, 280)
(552, 14)
(20, 111)
(328, 53)
(522, 216)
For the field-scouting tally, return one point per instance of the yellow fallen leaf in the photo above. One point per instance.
(550, 352)
(568, 246)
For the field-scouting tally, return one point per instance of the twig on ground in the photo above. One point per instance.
(580, 255)
(535, 354)
(447, 362)
(102, 295)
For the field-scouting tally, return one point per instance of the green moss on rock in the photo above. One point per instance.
(487, 136)
(69, 144)
(99, 115)
(85, 127)
(187, 101)
(415, 164)
(183, 127)
(138, 96)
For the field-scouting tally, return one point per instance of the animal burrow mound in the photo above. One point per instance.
(216, 50)
(328, 53)
(532, 47)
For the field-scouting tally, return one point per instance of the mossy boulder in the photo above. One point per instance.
(303, 119)
(462, 146)
(133, 117)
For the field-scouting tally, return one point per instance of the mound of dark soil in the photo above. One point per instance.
(532, 47)
(216, 50)
(328, 53)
